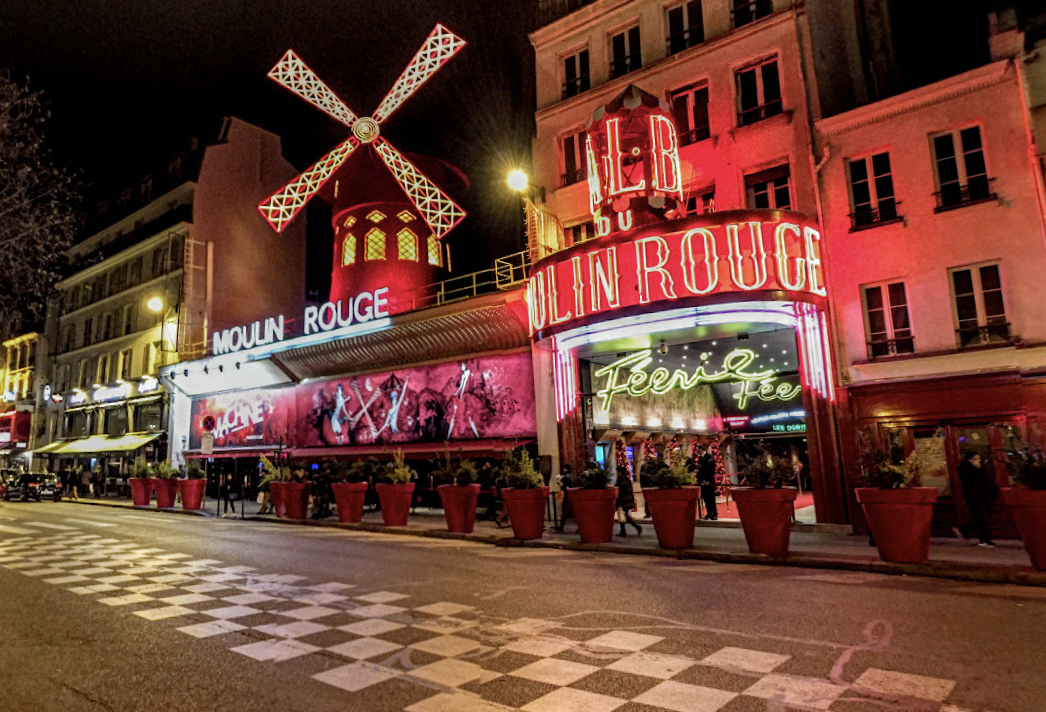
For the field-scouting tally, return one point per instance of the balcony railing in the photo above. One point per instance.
(956, 195)
(884, 348)
(507, 273)
(973, 336)
(747, 12)
(687, 38)
(867, 216)
(572, 177)
(694, 135)
(623, 65)
(758, 113)
(573, 87)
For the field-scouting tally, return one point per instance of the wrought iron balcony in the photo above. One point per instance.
(758, 113)
(624, 65)
(884, 348)
(694, 135)
(572, 177)
(575, 86)
(989, 334)
(956, 195)
(747, 11)
(687, 38)
(868, 217)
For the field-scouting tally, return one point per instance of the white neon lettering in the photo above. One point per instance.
(624, 220)
(710, 259)
(603, 226)
(604, 279)
(381, 302)
(328, 317)
(813, 261)
(644, 268)
(536, 301)
(595, 189)
(614, 159)
(343, 320)
(737, 256)
(579, 286)
(368, 312)
(311, 314)
(554, 316)
(665, 155)
(784, 277)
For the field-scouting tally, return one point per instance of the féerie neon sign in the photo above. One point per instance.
(628, 375)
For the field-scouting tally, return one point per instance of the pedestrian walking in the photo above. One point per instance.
(85, 481)
(976, 490)
(566, 481)
(322, 493)
(502, 519)
(626, 502)
(228, 493)
(267, 505)
(706, 480)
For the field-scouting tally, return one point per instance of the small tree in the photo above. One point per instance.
(519, 471)
(37, 206)
(398, 472)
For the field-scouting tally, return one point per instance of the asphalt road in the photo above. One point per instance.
(104, 609)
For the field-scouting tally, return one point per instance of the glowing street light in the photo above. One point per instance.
(517, 180)
(155, 305)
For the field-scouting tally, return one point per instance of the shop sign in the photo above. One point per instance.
(758, 251)
(364, 307)
(78, 398)
(628, 375)
(111, 393)
(239, 338)
(10, 397)
(148, 385)
(789, 427)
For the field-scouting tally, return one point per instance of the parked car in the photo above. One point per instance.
(23, 487)
(50, 488)
(7, 477)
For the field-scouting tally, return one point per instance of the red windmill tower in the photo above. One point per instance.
(389, 218)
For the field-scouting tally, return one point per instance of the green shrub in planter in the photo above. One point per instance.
(141, 469)
(594, 478)
(673, 475)
(163, 470)
(768, 471)
(194, 472)
(519, 471)
(397, 472)
(879, 472)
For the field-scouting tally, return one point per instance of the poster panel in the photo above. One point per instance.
(255, 418)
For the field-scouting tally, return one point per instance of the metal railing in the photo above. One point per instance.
(573, 87)
(758, 113)
(866, 217)
(956, 195)
(685, 39)
(508, 272)
(623, 65)
(694, 135)
(884, 348)
(972, 336)
(572, 177)
(748, 12)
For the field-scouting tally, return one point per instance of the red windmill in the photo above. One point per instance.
(360, 263)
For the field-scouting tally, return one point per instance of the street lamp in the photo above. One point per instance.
(517, 180)
(544, 233)
(155, 305)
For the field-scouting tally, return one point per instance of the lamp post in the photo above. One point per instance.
(544, 233)
(157, 305)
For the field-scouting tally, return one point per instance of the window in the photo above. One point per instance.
(348, 250)
(148, 417)
(153, 358)
(88, 331)
(769, 189)
(374, 246)
(871, 191)
(159, 261)
(433, 251)
(625, 52)
(104, 368)
(177, 251)
(886, 321)
(690, 109)
(107, 327)
(980, 313)
(126, 357)
(67, 339)
(748, 11)
(575, 159)
(115, 420)
(701, 202)
(135, 277)
(118, 280)
(758, 93)
(580, 233)
(76, 424)
(90, 372)
(685, 26)
(130, 319)
(962, 174)
(576, 78)
(65, 373)
(407, 245)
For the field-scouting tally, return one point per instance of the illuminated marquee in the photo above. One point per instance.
(743, 252)
(360, 309)
(628, 376)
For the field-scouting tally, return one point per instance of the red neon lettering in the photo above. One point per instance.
(554, 317)
(579, 286)
(784, 277)
(644, 268)
(615, 176)
(603, 280)
(710, 259)
(536, 302)
(737, 256)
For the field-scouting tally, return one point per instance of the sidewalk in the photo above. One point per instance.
(812, 546)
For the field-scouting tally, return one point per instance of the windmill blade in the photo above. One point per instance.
(440, 212)
(293, 74)
(283, 205)
(439, 47)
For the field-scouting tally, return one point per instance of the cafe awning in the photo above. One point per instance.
(98, 444)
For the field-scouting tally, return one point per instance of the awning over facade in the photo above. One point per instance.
(98, 444)
(246, 452)
(475, 448)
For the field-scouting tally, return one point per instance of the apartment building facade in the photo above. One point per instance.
(18, 394)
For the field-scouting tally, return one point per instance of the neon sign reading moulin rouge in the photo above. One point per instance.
(628, 375)
(781, 253)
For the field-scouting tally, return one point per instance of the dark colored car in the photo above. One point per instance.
(23, 487)
(50, 488)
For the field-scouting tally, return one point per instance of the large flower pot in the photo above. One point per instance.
(1029, 510)
(192, 492)
(674, 512)
(526, 510)
(166, 490)
(296, 499)
(395, 503)
(348, 498)
(900, 521)
(766, 516)
(594, 511)
(459, 506)
(141, 490)
(276, 495)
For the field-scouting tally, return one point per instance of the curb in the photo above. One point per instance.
(148, 508)
(1024, 576)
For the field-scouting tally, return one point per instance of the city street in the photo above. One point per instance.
(106, 609)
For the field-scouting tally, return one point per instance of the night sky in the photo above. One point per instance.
(129, 80)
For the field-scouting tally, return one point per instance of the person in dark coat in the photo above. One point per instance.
(626, 501)
(976, 490)
(566, 481)
(706, 480)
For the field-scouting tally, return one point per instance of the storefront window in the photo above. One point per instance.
(116, 420)
(148, 417)
(76, 424)
(930, 456)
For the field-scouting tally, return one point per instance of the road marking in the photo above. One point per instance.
(45, 525)
(89, 522)
(16, 530)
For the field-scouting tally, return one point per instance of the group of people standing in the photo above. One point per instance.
(81, 482)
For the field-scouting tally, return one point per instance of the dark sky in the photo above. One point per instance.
(129, 79)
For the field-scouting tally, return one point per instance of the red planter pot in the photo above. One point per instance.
(1029, 510)
(276, 495)
(594, 511)
(348, 498)
(141, 490)
(395, 503)
(900, 521)
(192, 493)
(295, 497)
(674, 512)
(165, 492)
(526, 510)
(459, 506)
(766, 517)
